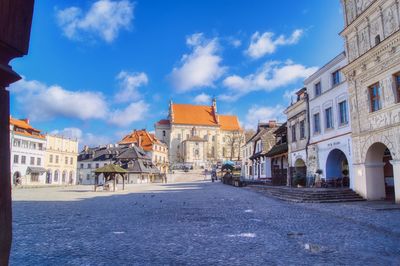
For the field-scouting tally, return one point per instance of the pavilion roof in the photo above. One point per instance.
(111, 169)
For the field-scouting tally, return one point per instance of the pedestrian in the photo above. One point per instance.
(205, 174)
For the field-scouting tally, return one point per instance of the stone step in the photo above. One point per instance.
(311, 196)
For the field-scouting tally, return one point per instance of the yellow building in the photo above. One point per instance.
(61, 160)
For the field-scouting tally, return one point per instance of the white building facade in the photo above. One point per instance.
(372, 42)
(330, 148)
(28, 147)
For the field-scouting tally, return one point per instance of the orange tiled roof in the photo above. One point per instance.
(189, 114)
(229, 122)
(20, 123)
(147, 140)
(25, 129)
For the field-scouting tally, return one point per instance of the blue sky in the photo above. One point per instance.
(98, 69)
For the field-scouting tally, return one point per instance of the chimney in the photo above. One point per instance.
(26, 120)
(272, 123)
(140, 141)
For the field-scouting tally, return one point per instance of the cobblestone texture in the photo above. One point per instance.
(196, 223)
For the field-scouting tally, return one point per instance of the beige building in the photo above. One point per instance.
(199, 136)
(372, 42)
(61, 160)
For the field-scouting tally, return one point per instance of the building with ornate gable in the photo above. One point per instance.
(199, 136)
(372, 43)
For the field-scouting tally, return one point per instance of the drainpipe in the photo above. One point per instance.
(308, 128)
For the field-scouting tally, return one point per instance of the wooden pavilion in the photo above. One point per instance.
(110, 172)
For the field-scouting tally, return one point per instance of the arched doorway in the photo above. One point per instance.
(71, 177)
(337, 167)
(64, 177)
(56, 174)
(48, 177)
(299, 172)
(17, 178)
(379, 172)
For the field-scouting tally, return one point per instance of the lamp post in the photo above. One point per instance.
(15, 27)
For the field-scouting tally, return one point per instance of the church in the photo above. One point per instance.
(197, 135)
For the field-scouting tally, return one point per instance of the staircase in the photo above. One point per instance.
(311, 195)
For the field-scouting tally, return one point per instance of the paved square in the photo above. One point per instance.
(195, 223)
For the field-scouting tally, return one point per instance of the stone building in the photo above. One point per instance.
(28, 148)
(199, 136)
(247, 151)
(278, 156)
(372, 42)
(299, 134)
(262, 141)
(89, 159)
(130, 157)
(155, 149)
(61, 160)
(329, 148)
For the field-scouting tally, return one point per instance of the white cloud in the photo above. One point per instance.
(41, 102)
(89, 139)
(202, 99)
(129, 83)
(262, 114)
(270, 76)
(134, 112)
(44, 102)
(201, 68)
(104, 19)
(262, 44)
(235, 42)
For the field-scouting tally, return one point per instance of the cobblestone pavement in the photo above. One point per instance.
(195, 223)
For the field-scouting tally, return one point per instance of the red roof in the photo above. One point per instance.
(146, 139)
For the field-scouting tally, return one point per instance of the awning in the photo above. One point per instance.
(35, 170)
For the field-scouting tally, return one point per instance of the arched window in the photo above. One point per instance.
(64, 176)
(71, 177)
(56, 174)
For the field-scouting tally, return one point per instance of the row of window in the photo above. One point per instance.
(56, 159)
(28, 144)
(335, 80)
(328, 113)
(160, 148)
(89, 165)
(33, 161)
(375, 94)
(159, 158)
(302, 131)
